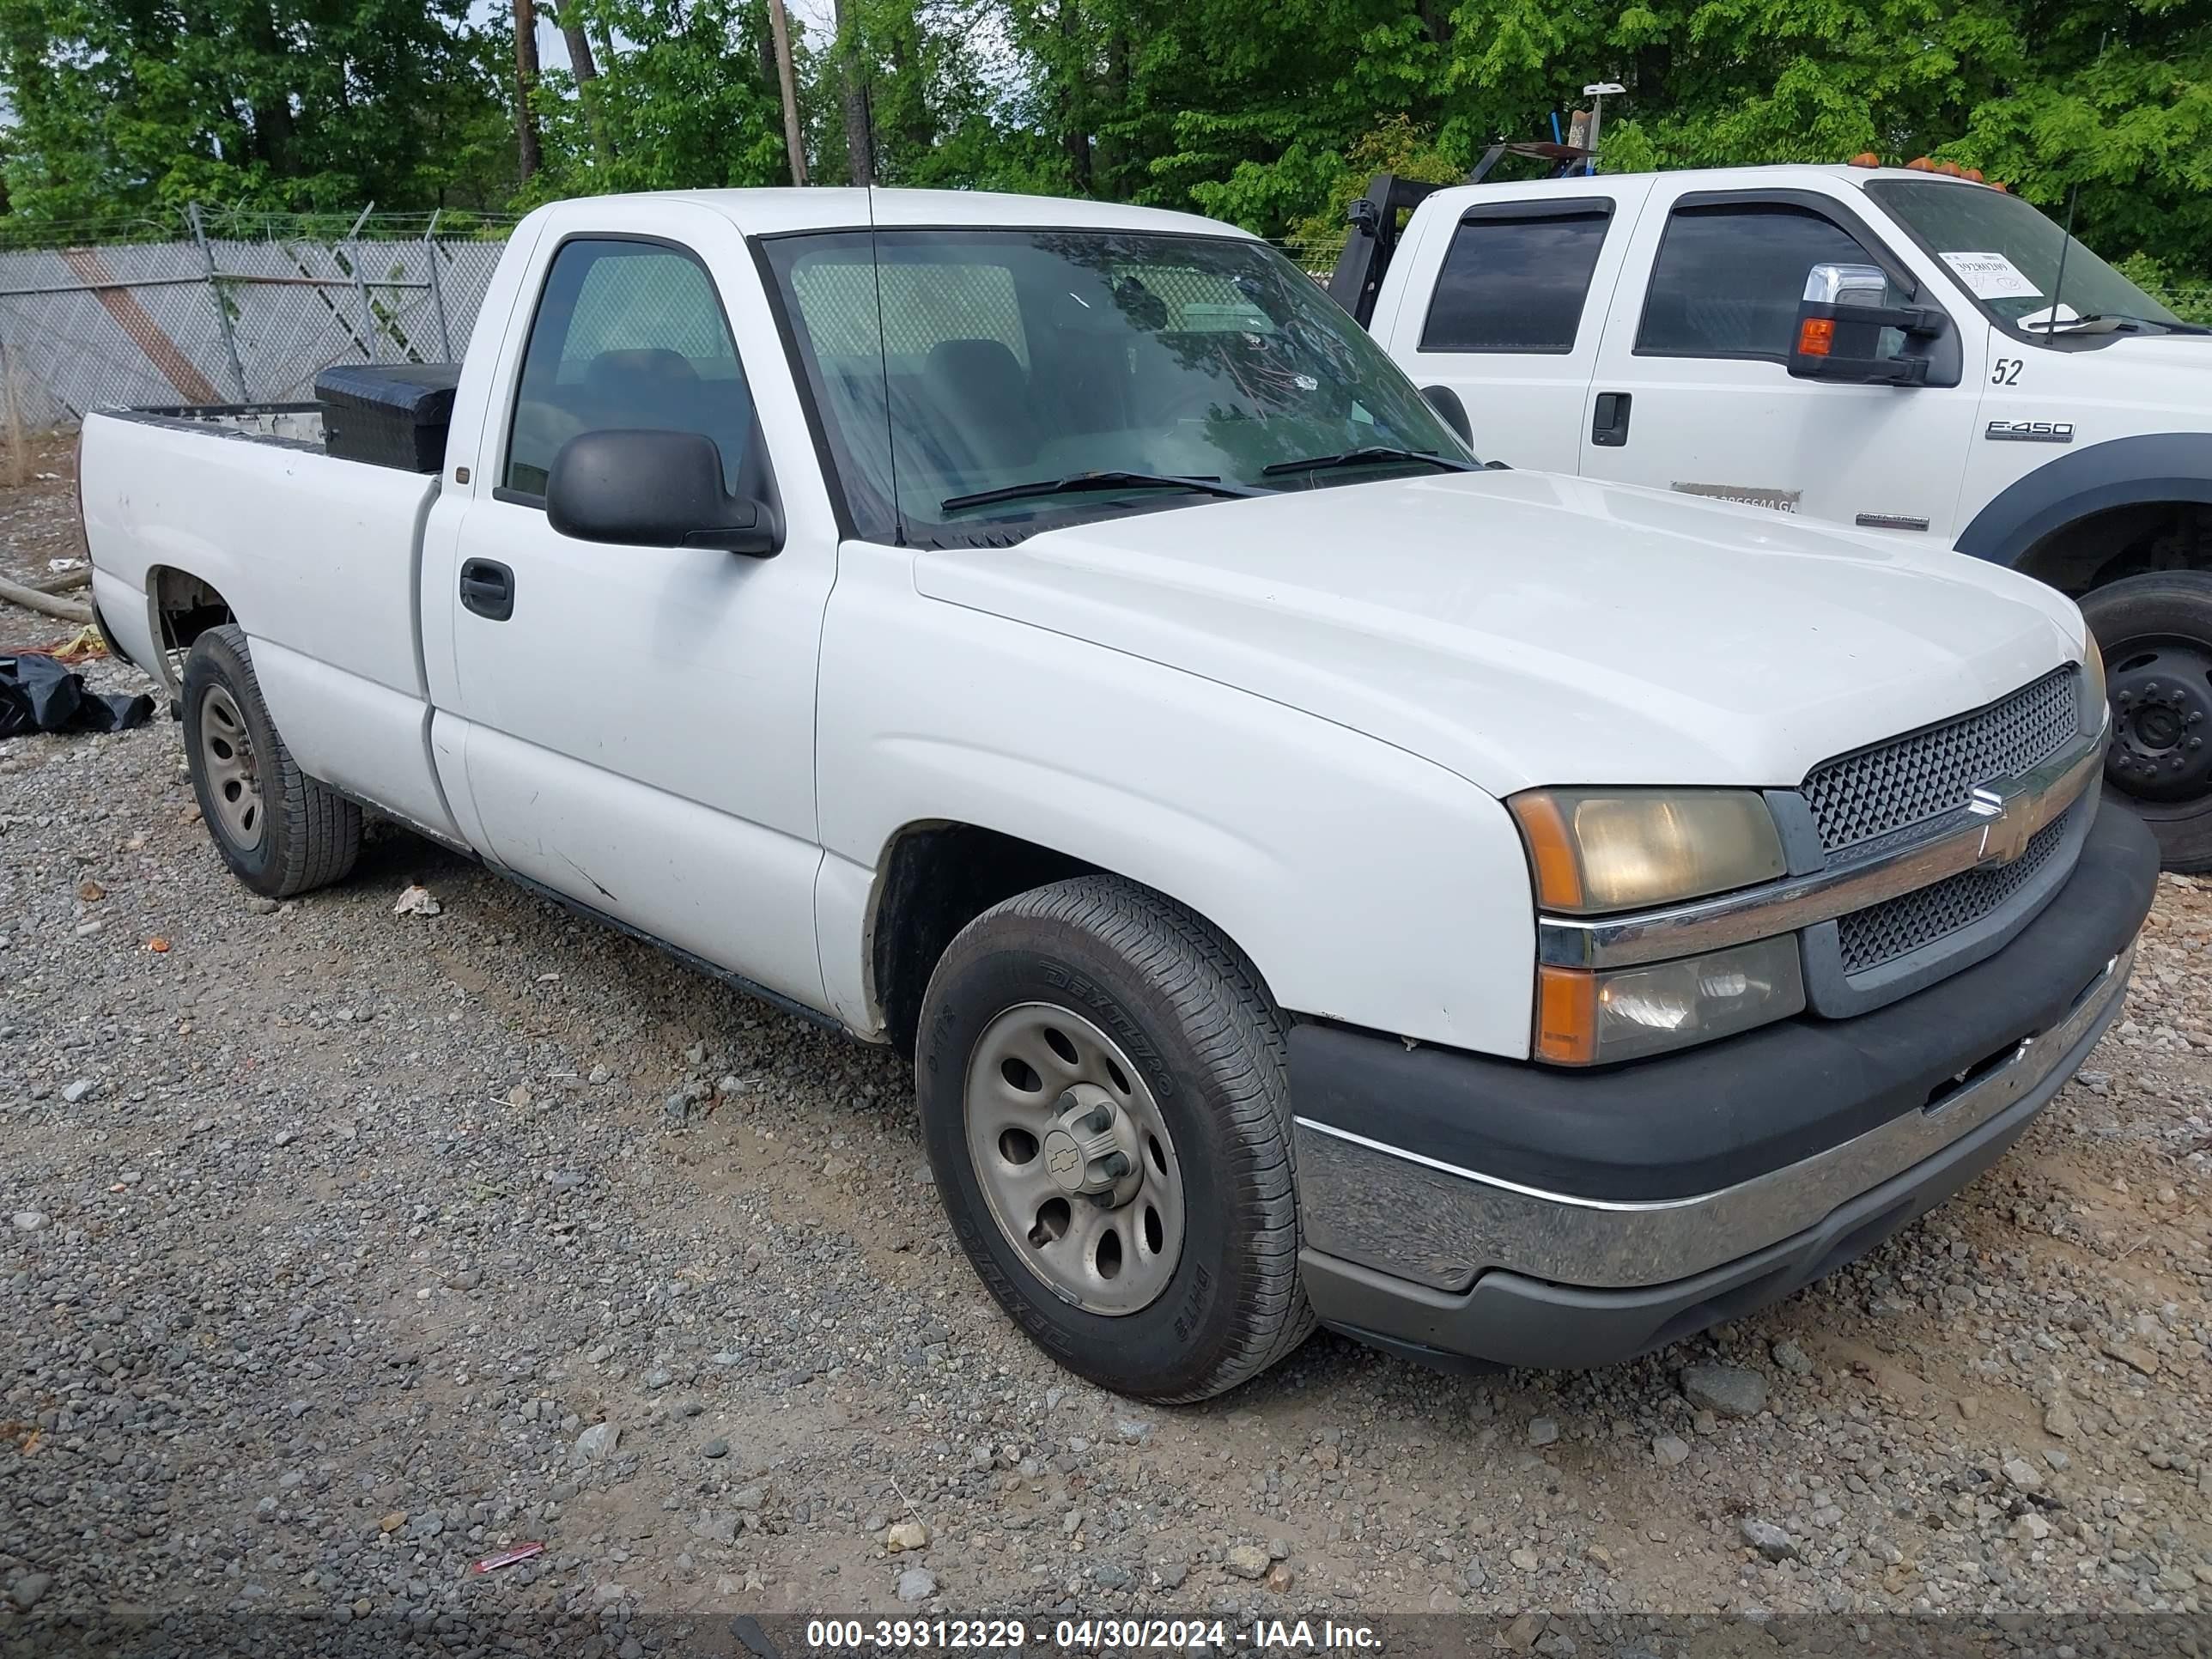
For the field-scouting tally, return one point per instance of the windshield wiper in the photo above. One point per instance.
(2111, 321)
(1367, 456)
(1077, 482)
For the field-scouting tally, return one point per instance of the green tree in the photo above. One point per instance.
(135, 107)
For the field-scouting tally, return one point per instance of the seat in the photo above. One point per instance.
(982, 393)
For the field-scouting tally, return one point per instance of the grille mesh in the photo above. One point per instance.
(1882, 933)
(1882, 789)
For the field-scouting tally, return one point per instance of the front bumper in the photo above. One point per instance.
(1464, 1207)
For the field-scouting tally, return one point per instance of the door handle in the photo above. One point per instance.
(488, 588)
(1609, 423)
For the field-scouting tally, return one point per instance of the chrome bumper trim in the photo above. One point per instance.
(1886, 867)
(1440, 1225)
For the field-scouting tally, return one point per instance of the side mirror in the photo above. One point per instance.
(1842, 322)
(1451, 411)
(648, 488)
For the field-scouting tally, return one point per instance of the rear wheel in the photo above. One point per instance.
(1103, 1098)
(2155, 632)
(279, 830)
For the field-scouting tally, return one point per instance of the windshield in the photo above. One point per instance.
(1004, 358)
(2006, 253)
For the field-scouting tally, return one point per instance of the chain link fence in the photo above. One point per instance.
(232, 309)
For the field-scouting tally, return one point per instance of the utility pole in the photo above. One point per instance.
(780, 27)
(525, 83)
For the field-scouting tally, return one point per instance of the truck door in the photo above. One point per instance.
(1506, 304)
(1693, 392)
(636, 724)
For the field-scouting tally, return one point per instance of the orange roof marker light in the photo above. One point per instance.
(1865, 158)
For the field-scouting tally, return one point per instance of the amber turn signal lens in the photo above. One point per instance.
(1816, 336)
(1566, 1016)
(1551, 853)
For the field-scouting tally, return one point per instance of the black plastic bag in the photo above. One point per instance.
(39, 694)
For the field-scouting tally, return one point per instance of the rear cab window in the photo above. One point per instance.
(1517, 277)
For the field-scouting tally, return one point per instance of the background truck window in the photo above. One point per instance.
(1728, 279)
(628, 335)
(1515, 285)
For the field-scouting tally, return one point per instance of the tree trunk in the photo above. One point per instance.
(526, 86)
(1075, 133)
(570, 19)
(274, 133)
(859, 132)
(793, 142)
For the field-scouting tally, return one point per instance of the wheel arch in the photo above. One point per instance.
(2076, 522)
(180, 606)
(937, 875)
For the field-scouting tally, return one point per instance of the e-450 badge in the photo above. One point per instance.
(2031, 432)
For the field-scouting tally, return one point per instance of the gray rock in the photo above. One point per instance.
(1543, 1430)
(1107, 1575)
(30, 1588)
(1793, 1359)
(1769, 1539)
(656, 1378)
(916, 1585)
(1729, 1390)
(29, 1221)
(717, 1446)
(1247, 1561)
(1672, 1450)
(78, 1089)
(1476, 1576)
(716, 1528)
(750, 1498)
(596, 1444)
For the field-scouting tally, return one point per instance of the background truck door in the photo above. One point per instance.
(1506, 305)
(640, 720)
(1693, 393)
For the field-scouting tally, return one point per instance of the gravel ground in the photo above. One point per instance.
(341, 1248)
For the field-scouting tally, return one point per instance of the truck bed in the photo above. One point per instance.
(317, 558)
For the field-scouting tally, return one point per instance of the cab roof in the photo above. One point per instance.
(766, 212)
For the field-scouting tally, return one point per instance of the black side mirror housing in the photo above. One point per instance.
(1450, 410)
(652, 489)
(1840, 323)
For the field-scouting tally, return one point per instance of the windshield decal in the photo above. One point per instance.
(1992, 277)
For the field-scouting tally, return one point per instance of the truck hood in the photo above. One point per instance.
(1524, 629)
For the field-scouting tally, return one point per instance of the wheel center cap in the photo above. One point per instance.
(1064, 1160)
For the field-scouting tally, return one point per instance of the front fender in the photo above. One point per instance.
(2159, 466)
(1367, 884)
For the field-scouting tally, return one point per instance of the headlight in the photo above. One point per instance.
(2092, 683)
(1594, 850)
(1592, 1019)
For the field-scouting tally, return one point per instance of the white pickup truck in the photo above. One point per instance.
(1506, 916)
(2027, 403)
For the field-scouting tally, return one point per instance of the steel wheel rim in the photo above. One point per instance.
(233, 782)
(1038, 1080)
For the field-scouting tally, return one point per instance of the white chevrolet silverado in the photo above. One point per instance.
(1507, 917)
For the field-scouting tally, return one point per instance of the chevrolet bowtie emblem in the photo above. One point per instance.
(2010, 812)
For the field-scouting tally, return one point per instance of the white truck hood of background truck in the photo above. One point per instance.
(1524, 629)
(2137, 383)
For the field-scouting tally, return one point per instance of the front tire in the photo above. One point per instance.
(2155, 632)
(1104, 1101)
(281, 832)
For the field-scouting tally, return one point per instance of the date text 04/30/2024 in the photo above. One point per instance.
(1089, 1635)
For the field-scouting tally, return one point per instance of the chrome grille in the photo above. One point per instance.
(1901, 782)
(1896, 928)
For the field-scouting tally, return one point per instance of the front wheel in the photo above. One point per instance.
(1104, 1102)
(2155, 632)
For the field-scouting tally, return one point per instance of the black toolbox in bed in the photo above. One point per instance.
(388, 414)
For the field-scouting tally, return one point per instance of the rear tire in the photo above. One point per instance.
(2155, 632)
(281, 832)
(1097, 1006)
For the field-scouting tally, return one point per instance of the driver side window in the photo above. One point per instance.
(1727, 279)
(628, 336)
